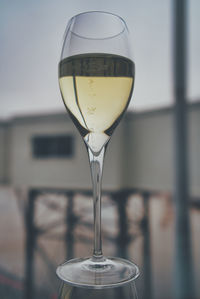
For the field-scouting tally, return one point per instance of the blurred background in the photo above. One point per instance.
(151, 198)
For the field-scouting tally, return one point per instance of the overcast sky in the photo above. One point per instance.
(30, 44)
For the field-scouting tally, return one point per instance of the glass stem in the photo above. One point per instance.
(96, 166)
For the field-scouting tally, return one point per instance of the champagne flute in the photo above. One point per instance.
(96, 76)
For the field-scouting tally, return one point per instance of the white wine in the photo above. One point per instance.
(96, 89)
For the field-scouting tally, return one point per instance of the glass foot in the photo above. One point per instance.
(98, 272)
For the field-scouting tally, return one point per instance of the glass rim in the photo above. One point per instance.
(101, 12)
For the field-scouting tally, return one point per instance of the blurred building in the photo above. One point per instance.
(47, 151)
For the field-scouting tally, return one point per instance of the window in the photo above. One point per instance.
(57, 146)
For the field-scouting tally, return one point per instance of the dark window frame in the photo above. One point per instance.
(59, 146)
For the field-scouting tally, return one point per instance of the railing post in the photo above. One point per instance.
(183, 258)
(145, 225)
(123, 238)
(30, 246)
(70, 223)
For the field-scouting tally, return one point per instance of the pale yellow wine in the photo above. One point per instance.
(96, 89)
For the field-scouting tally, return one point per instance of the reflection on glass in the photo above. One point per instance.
(127, 291)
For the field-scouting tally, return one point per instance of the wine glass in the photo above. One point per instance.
(96, 76)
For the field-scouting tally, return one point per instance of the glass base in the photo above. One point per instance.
(97, 272)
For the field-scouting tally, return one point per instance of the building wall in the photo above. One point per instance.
(151, 150)
(2, 151)
(194, 149)
(59, 173)
(151, 156)
(140, 154)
